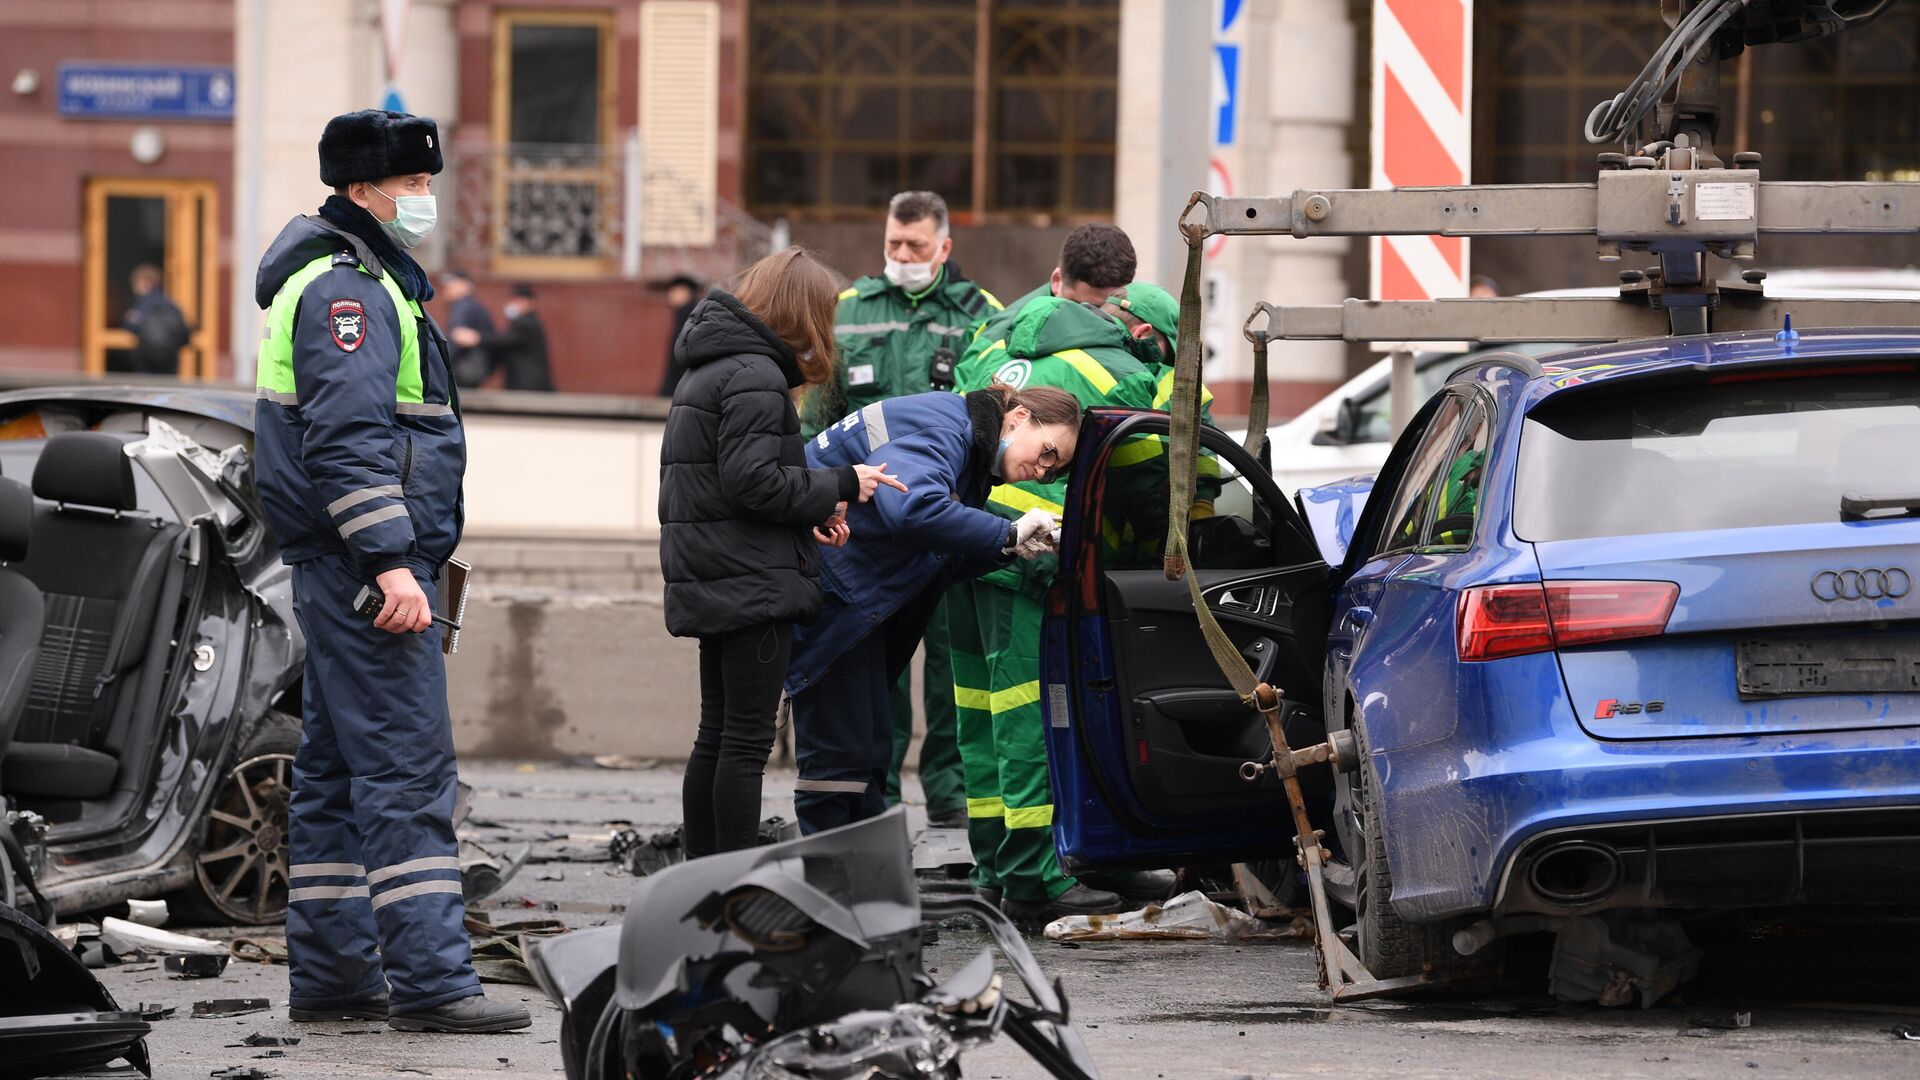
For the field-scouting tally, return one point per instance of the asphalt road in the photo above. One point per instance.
(1147, 1010)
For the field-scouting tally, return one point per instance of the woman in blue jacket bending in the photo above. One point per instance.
(905, 548)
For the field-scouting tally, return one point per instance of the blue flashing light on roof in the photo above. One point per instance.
(1787, 335)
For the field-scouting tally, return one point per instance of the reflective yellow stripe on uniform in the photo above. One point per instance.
(1135, 451)
(1090, 369)
(966, 697)
(848, 294)
(1030, 817)
(1163, 392)
(1021, 500)
(992, 300)
(986, 808)
(1014, 697)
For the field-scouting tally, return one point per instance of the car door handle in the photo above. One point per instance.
(1358, 617)
(1248, 598)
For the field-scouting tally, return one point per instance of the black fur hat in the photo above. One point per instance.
(373, 144)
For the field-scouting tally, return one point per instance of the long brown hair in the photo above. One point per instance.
(794, 294)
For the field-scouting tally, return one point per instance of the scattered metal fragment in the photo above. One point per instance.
(484, 872)
(241, 1072)
(198, 966)
(257, 1039)
(157, 1012)
(260, 950)
(1908, 1031)
(71, 934)
(229, 1007)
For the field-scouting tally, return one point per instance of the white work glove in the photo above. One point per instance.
(1031, 524)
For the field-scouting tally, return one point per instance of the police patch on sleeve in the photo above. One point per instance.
(347, 322)
(1014, 373)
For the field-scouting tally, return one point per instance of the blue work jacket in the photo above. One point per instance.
(942, 447)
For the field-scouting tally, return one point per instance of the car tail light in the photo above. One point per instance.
(1511, 620)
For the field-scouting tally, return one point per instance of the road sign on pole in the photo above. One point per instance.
(1422, 135)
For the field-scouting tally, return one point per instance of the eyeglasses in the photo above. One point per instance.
(1050, 463)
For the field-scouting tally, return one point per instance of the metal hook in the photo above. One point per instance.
(1265, 333)
(1196, 233)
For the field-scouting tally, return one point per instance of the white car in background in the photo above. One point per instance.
(1348, 432)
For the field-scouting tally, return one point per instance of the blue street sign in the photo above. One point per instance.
(1226, 92)
(146, 92)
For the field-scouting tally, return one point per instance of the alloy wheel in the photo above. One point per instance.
(242, 865)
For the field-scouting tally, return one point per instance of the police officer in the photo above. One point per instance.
(358, 459)
(900, 333)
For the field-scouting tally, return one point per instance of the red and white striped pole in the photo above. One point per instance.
(1422, 134)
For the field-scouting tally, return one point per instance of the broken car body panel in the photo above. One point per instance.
(721, 956)
(55, 1016)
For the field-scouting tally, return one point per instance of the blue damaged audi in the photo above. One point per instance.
(1624, 633)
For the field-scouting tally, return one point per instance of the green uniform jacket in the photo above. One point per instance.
(1059, 343)
(997, 326)
(884, 341)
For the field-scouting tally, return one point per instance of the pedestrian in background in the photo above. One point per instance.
(522, 348)
(468, 323)
(683, 292)
(740, 513)
(906, 548)
(359, 455)
(897, 333)
(159, 329)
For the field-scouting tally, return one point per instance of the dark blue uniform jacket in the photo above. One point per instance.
(334, 469)
(906, 546)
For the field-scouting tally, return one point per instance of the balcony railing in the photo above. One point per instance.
(593, 212)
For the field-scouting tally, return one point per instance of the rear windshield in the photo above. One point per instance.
(1724, 455)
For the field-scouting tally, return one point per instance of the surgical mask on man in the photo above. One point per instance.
(413, 218)
(910, 276)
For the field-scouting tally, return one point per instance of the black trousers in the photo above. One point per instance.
(740, 678)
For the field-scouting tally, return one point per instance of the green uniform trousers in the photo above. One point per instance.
(940, 771)
(995, 635)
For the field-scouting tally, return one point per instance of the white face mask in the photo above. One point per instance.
(413, 218)
(910, 276)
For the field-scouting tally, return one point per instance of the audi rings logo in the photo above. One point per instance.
(1889, 584)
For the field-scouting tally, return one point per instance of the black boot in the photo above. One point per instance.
(1078, 900)
(373, 1008)
(468, 1016)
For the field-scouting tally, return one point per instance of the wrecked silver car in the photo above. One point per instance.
(148, 710)
(799, 959)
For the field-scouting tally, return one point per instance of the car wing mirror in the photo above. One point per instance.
(1348, 421)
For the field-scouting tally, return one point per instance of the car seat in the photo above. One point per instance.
(22, 611)
(99, 564)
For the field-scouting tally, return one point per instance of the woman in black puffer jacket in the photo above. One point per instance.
(740, 514)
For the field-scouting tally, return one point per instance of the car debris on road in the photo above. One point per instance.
(1191, 916)
(798, 958)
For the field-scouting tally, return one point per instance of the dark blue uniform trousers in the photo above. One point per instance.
(374, 903)
(843, 738)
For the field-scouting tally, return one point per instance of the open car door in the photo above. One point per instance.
(1145, 737)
